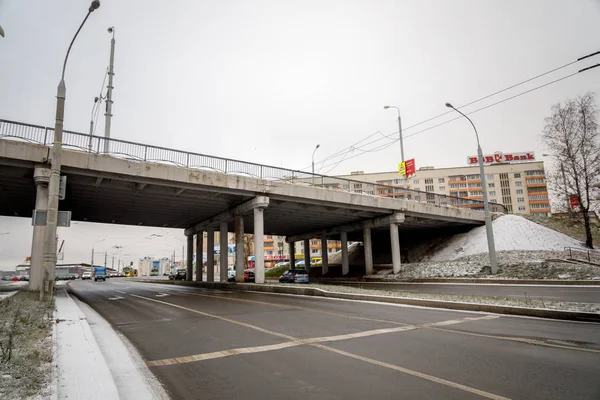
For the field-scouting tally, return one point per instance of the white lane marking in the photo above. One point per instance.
(162, 295)
(296, 341)
(120, 292)
(414, 373)
(220, 354)
(116, 298)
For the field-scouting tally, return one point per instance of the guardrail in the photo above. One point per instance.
(149, 153)
(587, 253)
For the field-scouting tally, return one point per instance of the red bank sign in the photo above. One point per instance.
(499, 157)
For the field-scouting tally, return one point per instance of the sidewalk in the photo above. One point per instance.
(96, 362)
(82, 370)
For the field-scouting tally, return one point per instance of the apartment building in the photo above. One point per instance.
(515, 180)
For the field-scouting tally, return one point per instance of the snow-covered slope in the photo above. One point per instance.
(511, 232)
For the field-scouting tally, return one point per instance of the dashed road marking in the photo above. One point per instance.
(296, 342)
(116, 298)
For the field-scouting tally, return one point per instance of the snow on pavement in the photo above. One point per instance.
(511, 232)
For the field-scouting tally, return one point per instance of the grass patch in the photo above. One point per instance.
(25, 345)
(276, 272)
(569, 226)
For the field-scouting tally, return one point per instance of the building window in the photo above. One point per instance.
(505, 192)
(519, 183)
(521, 208)
(535, 181)
(475, 176)
(491, 185)
(417, 198)
(517, 176)
(415, 181)
(314, 251)
(442, 188)
(417, 189)
(509, 208)
(506, 200)
(428, 181)
(503, 176)
(535, 172)
(440, 180)
(520, 200)
(504, 184)
(429, 188)
(519, 191)
(489, 177)
(492, 193)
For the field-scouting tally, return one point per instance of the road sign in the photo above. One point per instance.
(573, 201)
(402, 169)
(410, 167)
(40, 217)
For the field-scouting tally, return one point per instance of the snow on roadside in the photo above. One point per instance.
(511, 232)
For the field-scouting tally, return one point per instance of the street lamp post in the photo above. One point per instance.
(93, 245)
(92, 123)
(109, 90)
(399, 130)
(488, 219)
(313, 164)
(564, 176)
(49, 260)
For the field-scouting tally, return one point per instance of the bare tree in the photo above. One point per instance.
(571, 132)
(248, 247)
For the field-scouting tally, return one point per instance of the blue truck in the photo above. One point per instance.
(99, 274)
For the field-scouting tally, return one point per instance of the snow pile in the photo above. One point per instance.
(511, 232)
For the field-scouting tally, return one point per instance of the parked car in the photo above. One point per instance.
(15, 279)
(294, 276)
(249, 276)
(86, 275)
(231, 276)
(24, 278)
(180, 274)
(6, 278)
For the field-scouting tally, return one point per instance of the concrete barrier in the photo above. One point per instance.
(484, 280)
(452, 305)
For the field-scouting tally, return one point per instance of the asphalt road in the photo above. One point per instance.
(578, 294)
(214, 344)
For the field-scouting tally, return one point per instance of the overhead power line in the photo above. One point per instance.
(355, 146)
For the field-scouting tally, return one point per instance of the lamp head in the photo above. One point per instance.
(449, 105)
(318, 146)
(94, 6)
(386, 107)
(96, 99)
(111, 29)
(1, 32)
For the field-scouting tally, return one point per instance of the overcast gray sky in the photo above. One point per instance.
(265, 81)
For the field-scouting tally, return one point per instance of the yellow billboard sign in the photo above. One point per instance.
(402, 169)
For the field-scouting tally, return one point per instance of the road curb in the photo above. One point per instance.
(452, 305)
(497, 281)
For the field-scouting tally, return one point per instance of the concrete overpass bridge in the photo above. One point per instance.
(137, 184)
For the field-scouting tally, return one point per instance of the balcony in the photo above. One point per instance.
(540, 210)
(540, 202)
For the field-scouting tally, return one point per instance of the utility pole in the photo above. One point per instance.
(105, 255)
(109, 100)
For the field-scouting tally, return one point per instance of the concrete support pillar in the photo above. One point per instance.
(223, 250)
(307, 255)
(199, 255)
(324, 255)
(345, 262)
(292, 255)
(395, 241)
(239, 248)
(259, 245)
(368, 248)
(41, 176)
(190, 257)
(210, 254)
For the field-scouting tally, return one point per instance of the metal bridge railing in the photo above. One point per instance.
(144, 152)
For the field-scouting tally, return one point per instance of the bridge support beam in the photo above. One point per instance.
(307, 255)
(368, 248)
(395, 242)
(223, 251)
(345, 262)
(324, 259)
(199, 255)
(239, 249)
(293, 255)
(41, 176)
(210, 254)
(190, 258)
(259, 245)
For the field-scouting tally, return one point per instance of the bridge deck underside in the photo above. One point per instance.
(122, 201)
